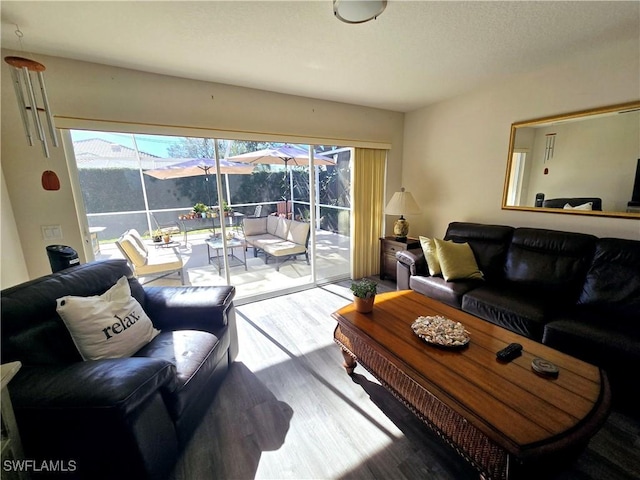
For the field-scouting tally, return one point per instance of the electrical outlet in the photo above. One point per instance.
(51, 232)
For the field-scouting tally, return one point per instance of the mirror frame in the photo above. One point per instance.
(541, 121)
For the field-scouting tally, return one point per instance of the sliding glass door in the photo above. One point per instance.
(142, 182)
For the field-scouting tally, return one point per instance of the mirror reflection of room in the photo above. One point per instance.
(585, 163)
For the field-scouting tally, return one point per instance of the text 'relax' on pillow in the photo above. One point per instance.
(111, 325)
(431, 255)
(457, 261)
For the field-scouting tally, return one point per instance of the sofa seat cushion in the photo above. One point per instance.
(282, 249)
(612, 281)
(439, 289)
(262, 241)
(519, 310)
(195, 355)
(276, 246)
(591, 335)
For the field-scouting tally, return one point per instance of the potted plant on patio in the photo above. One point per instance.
(200, 209)
(226, 209)
(364, 294)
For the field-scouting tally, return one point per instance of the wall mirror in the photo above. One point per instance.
(584, 163)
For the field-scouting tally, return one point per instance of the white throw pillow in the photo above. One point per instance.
(584, 206)
(111, 325)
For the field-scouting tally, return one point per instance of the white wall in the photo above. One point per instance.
(13, 269)
(455, 152)
(86, 90)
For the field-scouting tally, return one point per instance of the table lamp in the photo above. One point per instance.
(400, 204)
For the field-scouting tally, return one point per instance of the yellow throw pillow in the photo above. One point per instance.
(457, 261)
(431, 255)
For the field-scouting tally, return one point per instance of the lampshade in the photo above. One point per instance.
(358, 11)
(402, 203)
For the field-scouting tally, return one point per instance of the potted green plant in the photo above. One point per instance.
(364, 294)
(200, 209)
(156, 236)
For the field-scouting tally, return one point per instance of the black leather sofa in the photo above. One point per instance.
(574, 292)
(117, 418)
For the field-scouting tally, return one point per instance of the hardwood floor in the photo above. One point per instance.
(288, 410)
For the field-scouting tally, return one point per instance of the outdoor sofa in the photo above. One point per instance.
(277, 237)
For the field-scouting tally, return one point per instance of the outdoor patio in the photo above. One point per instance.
(332, 254)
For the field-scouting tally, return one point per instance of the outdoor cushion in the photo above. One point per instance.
(280, 249)
(272, 224)
(138, 239)
(282, 229)
(254, 226)
(133, 250)
(298, 232)
(162, 262)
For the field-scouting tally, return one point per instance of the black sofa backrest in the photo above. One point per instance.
(574, 202)
(612, 280)
(32, 330)
(489, 244)
(552, 262)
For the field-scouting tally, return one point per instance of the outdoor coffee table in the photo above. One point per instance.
(216, 245)
(502, 417)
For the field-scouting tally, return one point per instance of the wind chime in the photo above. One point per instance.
(23, 72)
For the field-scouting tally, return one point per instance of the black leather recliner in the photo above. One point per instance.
(117, 418)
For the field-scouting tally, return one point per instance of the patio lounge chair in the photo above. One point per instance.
(154, 262)
(169, 228)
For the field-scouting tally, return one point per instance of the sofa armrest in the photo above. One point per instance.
(85, 412)
(189, 308)
(414, 260)
(121, 384)
(409, 263)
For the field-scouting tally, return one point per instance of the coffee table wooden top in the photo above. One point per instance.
(515, 407)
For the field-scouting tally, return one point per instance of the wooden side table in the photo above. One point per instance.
(388, 248)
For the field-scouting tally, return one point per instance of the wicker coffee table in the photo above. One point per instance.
(503, 418)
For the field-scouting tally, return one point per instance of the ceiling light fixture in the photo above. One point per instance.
(21, 75)
(358, 11)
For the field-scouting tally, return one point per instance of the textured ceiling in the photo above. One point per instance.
(416, 53)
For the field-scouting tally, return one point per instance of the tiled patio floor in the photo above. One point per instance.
(259, 278)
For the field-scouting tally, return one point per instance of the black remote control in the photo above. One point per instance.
(508, 353)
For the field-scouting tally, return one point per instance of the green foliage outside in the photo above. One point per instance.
(110, 190)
